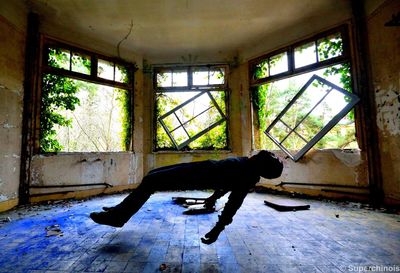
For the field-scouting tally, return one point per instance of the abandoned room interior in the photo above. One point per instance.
(95, 94)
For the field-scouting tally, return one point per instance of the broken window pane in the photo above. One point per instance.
(330, 47)
(105, 69)
(80, 63)
(278, 64)
(305, 55)
(59, 58)
(318, 106)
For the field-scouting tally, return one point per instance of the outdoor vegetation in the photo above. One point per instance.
(78, 116)
(190, 119)
(271, 98)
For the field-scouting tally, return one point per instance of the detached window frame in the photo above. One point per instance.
(90, 76)
(324, 130)
(257, 79)
(191, 86)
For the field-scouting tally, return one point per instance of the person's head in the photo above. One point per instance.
(267, 164)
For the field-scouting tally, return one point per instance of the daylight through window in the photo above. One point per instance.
(191, 108)
(85, 102)
(276, 80)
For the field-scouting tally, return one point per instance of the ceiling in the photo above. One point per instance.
(186, 28)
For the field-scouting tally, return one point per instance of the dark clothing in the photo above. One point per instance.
(233, 174)
(237, 175)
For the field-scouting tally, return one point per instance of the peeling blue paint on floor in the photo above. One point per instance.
(330, 237)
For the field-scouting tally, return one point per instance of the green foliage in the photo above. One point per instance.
(58, 93)
(123, 99)
(92, 128)
(212, 140)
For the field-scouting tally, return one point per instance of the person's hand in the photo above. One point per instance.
(211, 236)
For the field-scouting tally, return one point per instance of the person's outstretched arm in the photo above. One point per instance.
(234, 203)
(212, 199)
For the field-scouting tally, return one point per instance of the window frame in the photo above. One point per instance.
(49, 42)
(94, 57)
(354, 99)
(190, 69)
(345, 57)
(292, 71)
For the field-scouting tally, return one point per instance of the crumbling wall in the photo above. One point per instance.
(384, 44)
(59, 173)
(12, 59)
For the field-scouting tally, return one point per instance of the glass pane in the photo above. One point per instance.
(305, 55)
(59, 58)
(261, 70)
(121, 74)
(180, 79)
(200, 77)
(278, 64)
(330, 47)
(217, 76)
(81, 63)
(164, 79)
(105, 70)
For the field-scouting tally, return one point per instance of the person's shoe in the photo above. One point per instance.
(107, 218)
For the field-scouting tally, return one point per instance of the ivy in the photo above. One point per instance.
(123, 98)
(58, 93)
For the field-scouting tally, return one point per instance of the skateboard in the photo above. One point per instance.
(194, 205)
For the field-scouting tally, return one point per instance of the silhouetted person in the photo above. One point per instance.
(237, 175)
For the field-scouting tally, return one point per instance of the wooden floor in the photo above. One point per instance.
(329, 237)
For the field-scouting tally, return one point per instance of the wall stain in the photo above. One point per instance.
(388, 110)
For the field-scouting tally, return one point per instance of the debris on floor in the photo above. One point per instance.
(188, 200)
(5, 220)
(163, 267)
(198, 209)
(54, 230)
(286, 205)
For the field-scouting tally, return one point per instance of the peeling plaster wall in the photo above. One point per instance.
(384, 44)
(117, 169)
(12, 58)
(344, 168)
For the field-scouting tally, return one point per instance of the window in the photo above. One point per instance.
(85, 101)
(191, 108)
(314, 110)
(282, 96)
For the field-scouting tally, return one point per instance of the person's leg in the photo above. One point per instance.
(120, 214)
(212, 199)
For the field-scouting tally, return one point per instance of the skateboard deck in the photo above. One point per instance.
(286, 205)
(198, 209)
(188, 200)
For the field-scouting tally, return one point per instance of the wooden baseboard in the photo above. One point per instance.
(9, 204)
(79, 194)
